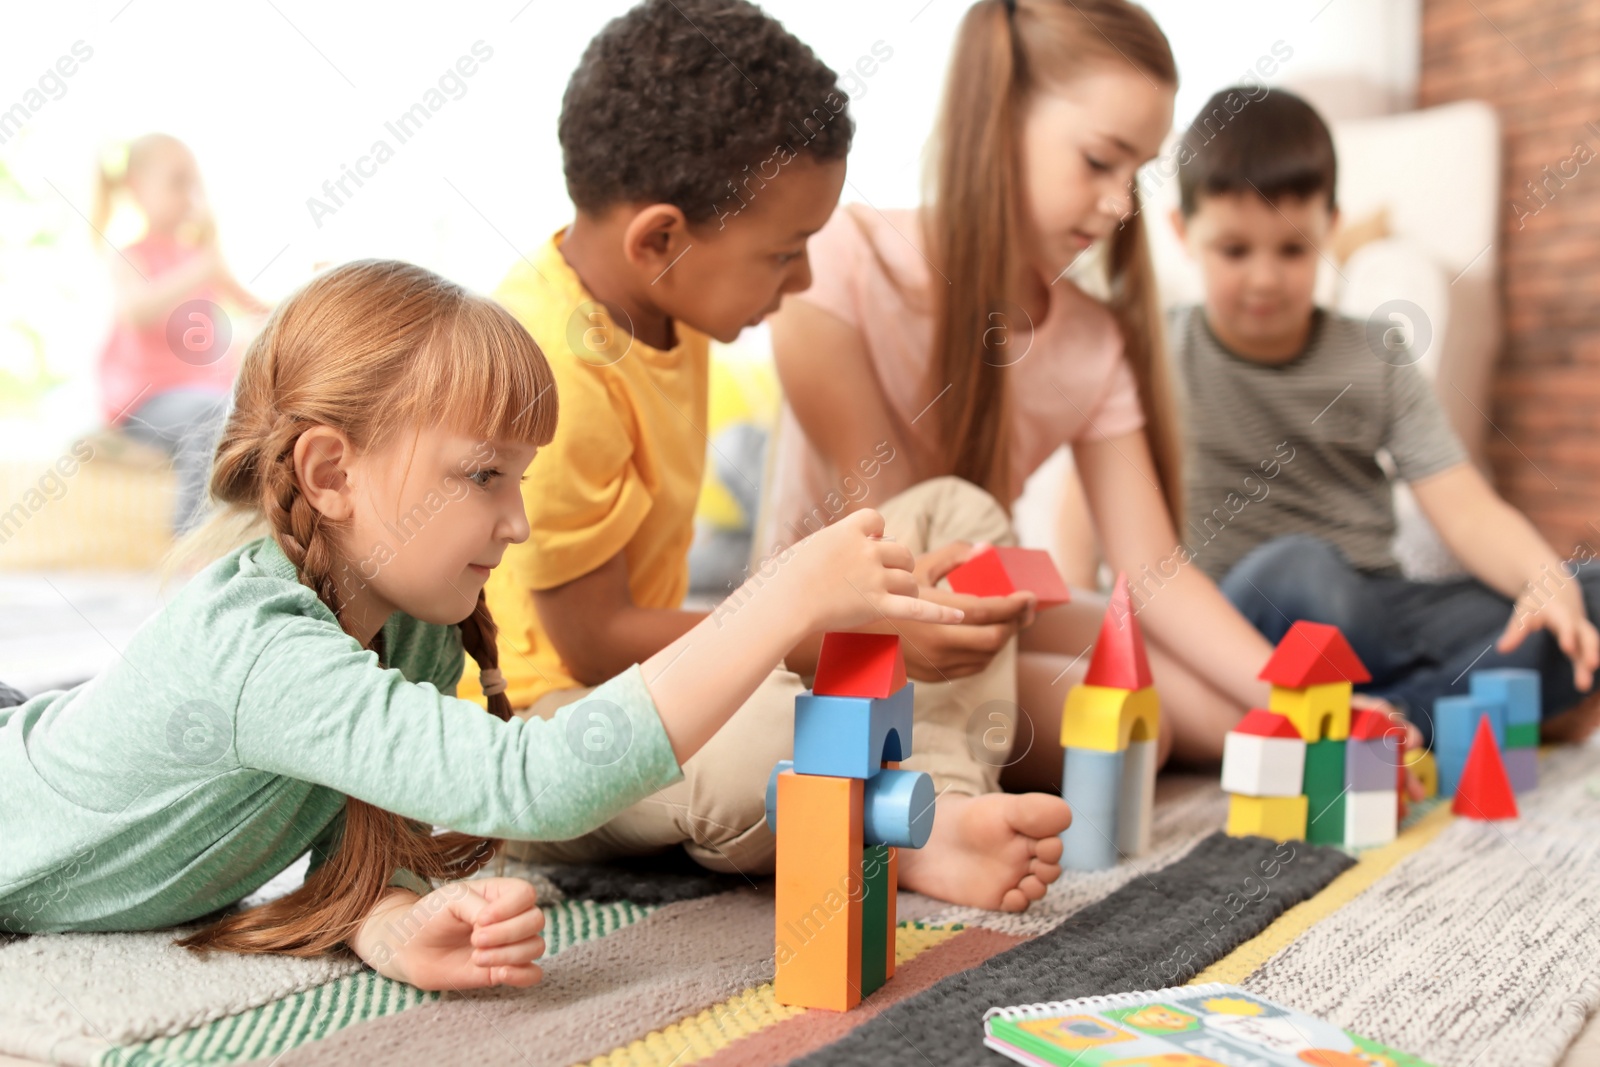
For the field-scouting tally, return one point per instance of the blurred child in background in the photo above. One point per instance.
(168, 367)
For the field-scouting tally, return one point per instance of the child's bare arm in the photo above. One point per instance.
(1187, 613)
(599, 631)
(1500, 548)
(840, 578)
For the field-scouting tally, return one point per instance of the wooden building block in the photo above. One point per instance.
(1119, 660)
(1137, 798)
(1002, 570)
(859, 665)
(1091, 784)
(1280, 818)
(851, 737)
(1325, 792)
(875, 925)
(1108, 720)
(1484, 790)
(1517, 688)
(1319, 712)
(818, 891)
(1371, 817)
(1263, 756)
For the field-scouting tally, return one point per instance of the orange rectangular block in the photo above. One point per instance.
(819, 888)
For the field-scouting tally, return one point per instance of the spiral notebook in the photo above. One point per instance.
(1188, 1026)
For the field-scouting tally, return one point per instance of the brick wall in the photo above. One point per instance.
(1538, 65)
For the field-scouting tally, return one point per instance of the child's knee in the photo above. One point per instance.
(947, 509)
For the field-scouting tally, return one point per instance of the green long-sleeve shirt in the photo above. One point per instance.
(223, 742)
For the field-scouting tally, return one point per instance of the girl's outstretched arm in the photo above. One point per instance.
(1187, 613)
(315, 706)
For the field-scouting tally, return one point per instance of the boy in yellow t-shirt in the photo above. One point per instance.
(703, 144)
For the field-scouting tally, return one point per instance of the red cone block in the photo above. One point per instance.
(1484, 791)
(1119, 660)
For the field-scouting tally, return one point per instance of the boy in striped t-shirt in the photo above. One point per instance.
(1295, 421)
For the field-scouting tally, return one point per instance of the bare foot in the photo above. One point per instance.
(997, 851)
(1570, 727)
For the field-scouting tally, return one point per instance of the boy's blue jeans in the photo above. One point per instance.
(1419, 640)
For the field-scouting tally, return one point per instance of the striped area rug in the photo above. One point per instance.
(273, 1029)
(1459, 942)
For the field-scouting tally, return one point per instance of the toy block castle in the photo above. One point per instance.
(1001, 571)
(1108, 729)
(1308, 767)
(840, 809)
(1508, 699)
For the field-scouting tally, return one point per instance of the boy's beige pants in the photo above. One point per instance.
(962, 734)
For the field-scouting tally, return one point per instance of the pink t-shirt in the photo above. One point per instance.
(140, 362)
(1067, 382)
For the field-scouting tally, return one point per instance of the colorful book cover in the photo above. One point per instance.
(1188, 1026)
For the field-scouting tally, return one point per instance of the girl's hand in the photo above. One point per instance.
(1563, 615)
(463, 935)
(846, 575)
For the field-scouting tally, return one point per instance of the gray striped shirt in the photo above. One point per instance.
(1305, 446)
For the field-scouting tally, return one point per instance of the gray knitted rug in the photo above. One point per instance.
(1481, 948)
(1157, 930)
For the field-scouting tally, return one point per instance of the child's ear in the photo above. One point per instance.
(655, 237)
(322, 456)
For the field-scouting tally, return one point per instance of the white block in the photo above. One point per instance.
(1371, 818)
(1137, 796)
(1256, 766)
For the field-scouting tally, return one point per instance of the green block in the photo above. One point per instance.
(1522, 735)
(1324, 790)
(875, 932)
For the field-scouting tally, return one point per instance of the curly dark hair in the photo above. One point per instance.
(675, 99)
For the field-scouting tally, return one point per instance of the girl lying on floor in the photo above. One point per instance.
(298, 693)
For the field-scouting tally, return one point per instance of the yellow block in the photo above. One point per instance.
(1104, 719)
(1422, 764)
(1280, 818)
(1319, 712)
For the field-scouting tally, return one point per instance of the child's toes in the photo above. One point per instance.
(1048, 849)
(1045, 872)
(1014, 900)
(1031, 887)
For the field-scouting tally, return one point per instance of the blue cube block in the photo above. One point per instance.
(1450, 764)
(851, 737)
(1515, 687)
(1455, 721)
(1091, 783)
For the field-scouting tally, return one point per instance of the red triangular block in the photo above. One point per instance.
(1484, 791)
(859, 665)
(1119, 659)
(1313, 653)
(1001, 571)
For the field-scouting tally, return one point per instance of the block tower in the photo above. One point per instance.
(1312, 672)
(1309, 767)
(1508, 698)
(1108, 728)
(840, 809)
